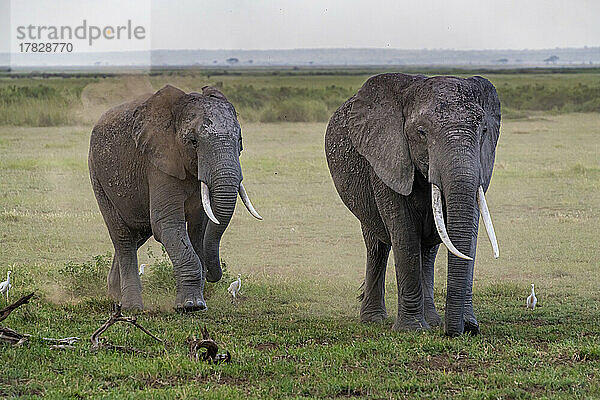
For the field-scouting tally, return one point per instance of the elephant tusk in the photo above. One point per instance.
(487, 221)
(247, 202)
(206, 202)
(438, 217)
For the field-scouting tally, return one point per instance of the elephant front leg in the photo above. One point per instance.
(410, 292)
(373, 302)
(427, 271)
(407, 257)
(196, 225)
(169, 228)
(187, 267)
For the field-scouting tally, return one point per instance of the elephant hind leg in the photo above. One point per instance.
(114, 281)
(373, 302)
(124, 283)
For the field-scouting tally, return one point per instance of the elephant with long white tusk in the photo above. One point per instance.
(412, 157)
(168, 165)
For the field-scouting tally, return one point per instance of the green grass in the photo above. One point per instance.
(273, 96)
(295, 333)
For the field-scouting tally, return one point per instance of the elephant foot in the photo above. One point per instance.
(190, 302)
(376, 316)
(433, 318)
(214, 274)
(411, 323)
(132, 300)
(471, 326)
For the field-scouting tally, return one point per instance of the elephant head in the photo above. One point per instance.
(197, 136)
(445, 129)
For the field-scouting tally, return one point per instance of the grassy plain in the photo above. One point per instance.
(295, 332)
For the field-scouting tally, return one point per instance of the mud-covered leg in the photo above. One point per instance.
(167, 217)
(196, 225)
(427, 270)
(131, 286)
(124, 285)
(373, 303)
(114, 281)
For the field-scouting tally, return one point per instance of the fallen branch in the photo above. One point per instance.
(61, 347)
(69, 341)
(12, 337)
(8, 335)
(5, 312)
(114, 318)
(121, 349)
(211, 354)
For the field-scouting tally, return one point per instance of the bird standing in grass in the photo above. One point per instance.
(235, 287)
(532, 300)
(141, 269)
(5, 286)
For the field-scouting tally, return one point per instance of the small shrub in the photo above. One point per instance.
(37, 105)
(87, 279)
(510, 113)
(294, 110)
(159, 277)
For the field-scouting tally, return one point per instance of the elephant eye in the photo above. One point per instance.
(421, 131)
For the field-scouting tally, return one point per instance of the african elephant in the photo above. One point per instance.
(150, 161)
(407, 153)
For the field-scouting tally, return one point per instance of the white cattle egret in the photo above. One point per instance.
(141, 269)
(532, 300)
(235, 286)
(5, 286)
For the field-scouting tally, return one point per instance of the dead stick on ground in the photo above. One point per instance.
(211, 347)
(114, 318)
(64, 341)
(7, 334)
(5, 312)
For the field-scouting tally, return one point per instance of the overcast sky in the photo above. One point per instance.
(287, 24)
(416, 24)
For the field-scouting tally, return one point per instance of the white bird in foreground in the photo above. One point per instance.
(532, 300)
(141, 269)
(5, 286)
(235, 286)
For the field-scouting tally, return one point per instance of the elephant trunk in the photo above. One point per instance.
(456, 171)
(223, 193)
(461, 211)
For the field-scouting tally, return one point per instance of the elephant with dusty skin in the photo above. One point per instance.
(412, 157)
(168, 165)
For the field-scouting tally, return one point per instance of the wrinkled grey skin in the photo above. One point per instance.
(385, 147)
(146, 160)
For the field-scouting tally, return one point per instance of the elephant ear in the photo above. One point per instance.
(154, 131)
(376, 126)
(488, 100)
